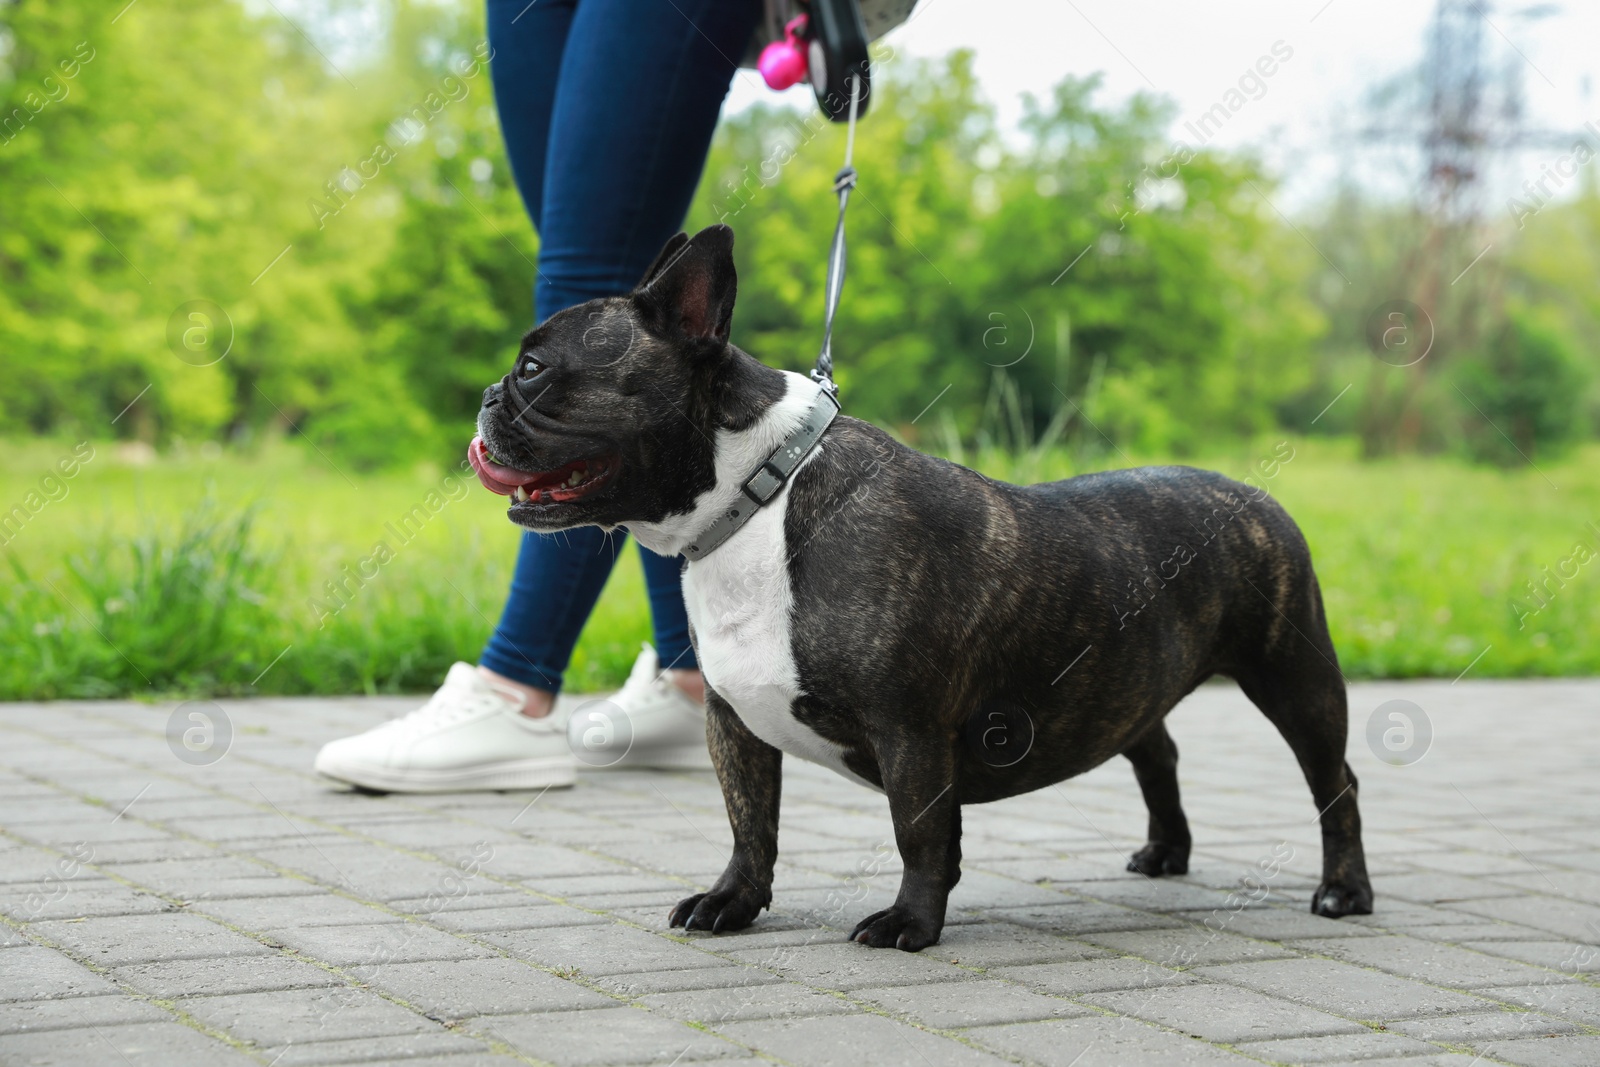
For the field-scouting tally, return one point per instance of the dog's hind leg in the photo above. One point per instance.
(918, 769)
(1155, 764)
(1297, 685)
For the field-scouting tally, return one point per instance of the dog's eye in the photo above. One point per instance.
(530, 369)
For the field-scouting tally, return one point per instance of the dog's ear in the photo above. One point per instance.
(690, 290)
(670, 250)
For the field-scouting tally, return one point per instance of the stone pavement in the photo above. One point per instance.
(216, 903)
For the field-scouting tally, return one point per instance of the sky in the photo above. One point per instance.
(1305, 125)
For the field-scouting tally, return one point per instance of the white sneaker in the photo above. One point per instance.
(666, 728)
(470, 735)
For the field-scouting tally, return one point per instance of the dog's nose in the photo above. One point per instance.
(494, 394)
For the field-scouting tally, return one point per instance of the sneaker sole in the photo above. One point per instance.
(548, 772)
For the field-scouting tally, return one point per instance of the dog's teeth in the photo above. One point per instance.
(520, 494)
(575, 479)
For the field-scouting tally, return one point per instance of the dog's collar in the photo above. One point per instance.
(771, 476)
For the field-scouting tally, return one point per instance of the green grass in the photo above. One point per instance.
(203, 572)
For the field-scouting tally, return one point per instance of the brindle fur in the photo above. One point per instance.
(924, 590)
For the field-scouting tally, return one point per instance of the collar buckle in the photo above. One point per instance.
(765, 483)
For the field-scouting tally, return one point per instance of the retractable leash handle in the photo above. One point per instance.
(828, 43)
(839, 64)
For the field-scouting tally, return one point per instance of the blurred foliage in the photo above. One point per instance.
(358, 227)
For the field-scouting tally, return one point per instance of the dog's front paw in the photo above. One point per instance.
(897, 927)
(1156, 859)
(718, 910)
(1334, 901)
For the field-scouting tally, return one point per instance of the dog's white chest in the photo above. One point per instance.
(739, 600)
(738, 596)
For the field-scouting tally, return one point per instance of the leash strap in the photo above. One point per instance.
(843, 183)
(764, 483)
(773, 473)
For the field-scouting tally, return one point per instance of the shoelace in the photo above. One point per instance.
(449, 705)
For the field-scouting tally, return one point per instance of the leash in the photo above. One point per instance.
(843, 183)
(773, 474)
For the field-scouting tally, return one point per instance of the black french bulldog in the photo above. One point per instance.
(885, 612)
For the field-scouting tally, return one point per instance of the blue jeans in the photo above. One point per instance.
(607, 107)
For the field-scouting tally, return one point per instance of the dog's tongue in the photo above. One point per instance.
(496, 477)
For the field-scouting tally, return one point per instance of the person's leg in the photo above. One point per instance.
(663, 579)
(558, 578)
(526, 43)
(640, 90)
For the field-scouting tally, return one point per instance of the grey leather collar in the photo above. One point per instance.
(771, 476)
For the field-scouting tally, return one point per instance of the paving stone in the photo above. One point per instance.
(1342, 1048)
(109, 942)
(162, 1044)
(532, 914)
(1567, 918)
(307, 1014)
(642, 983)
(1462, 933)
(582, 888)
(271, 885)
(527, 860)
(98, 829)
(188, 877)
(370, 871)
(377, 945)
(458, 989)
(1093, 976)
(1189, 946)
(602, 950)
(995, 944)
(1477, 1028)
(409, 1050)
(1344, 989)
(1152, 894)
(603, 1036)
(1402, 915)
(35, 869)
(1096, 1041)
(152, 850)
(848, 965)
(75, 1012)
(476, 896)
(266, 913)
(1438, 1059)
(1082, 919)
(1570, 1001)
(1456, 909)
(1573, 1051)
(853, 1041)
(956, 1005)
(1222, 1013)
(1564, 957)
(34, 972)
(713, 1007)
(74, 900)
(1429, 961)
(1276, 924)
(1436, 888)
(170, 979)
(1580, 886)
